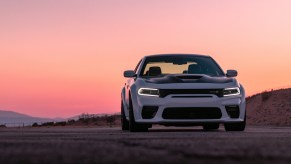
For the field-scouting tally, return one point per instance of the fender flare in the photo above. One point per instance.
(124, 103)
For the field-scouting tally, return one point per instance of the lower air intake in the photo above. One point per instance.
(232, 111)
(149, 112)
(192, 113)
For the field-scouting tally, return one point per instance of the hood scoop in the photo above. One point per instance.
(188, 79)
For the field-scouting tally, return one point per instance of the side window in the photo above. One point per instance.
(136, 68)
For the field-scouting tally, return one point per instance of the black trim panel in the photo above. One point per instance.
(192, 113)
(166, 92)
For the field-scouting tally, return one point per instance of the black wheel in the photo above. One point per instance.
(133, 126)
(240, 126)
(124, 122)
(211, 126)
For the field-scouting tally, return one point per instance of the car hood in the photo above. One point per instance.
(188, 78)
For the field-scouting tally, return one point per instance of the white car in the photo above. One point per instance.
(182, 90)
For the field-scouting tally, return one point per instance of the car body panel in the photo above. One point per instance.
(130, 91)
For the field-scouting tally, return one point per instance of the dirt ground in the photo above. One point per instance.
(159, 145)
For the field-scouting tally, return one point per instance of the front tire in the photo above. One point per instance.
(235, 126)
(124, 121)
(133, 126)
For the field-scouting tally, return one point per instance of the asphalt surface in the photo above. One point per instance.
(159, 145)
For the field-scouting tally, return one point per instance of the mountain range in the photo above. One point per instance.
(14, 119)
(10, 118)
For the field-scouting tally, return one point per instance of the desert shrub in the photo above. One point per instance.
(85, 120)
(61, 123)
(95, 119)
(110, 120)
(72, 121)
(35, 124)
(48, 124)
(2, 126)
(266, 95)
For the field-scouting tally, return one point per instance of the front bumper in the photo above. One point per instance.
(180, 101)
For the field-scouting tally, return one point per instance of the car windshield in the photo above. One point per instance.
(165, 65)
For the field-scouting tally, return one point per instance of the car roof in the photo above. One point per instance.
(178, 54)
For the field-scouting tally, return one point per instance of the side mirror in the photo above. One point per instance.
(231, 73)
(129, 73)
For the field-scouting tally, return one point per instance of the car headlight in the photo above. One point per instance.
(231, 91)
(148, 92)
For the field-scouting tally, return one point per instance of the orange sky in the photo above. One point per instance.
(60, 58)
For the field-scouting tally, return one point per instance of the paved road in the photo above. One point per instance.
(162, 145)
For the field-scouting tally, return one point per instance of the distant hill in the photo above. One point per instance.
(10, 118)
(270, 108)
(14, 119)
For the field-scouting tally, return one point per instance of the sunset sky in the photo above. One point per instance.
(60, 58)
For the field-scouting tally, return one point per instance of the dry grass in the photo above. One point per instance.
(270, 108)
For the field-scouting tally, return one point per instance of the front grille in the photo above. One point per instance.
(192, 113)
(166, 92)
(191, 96)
